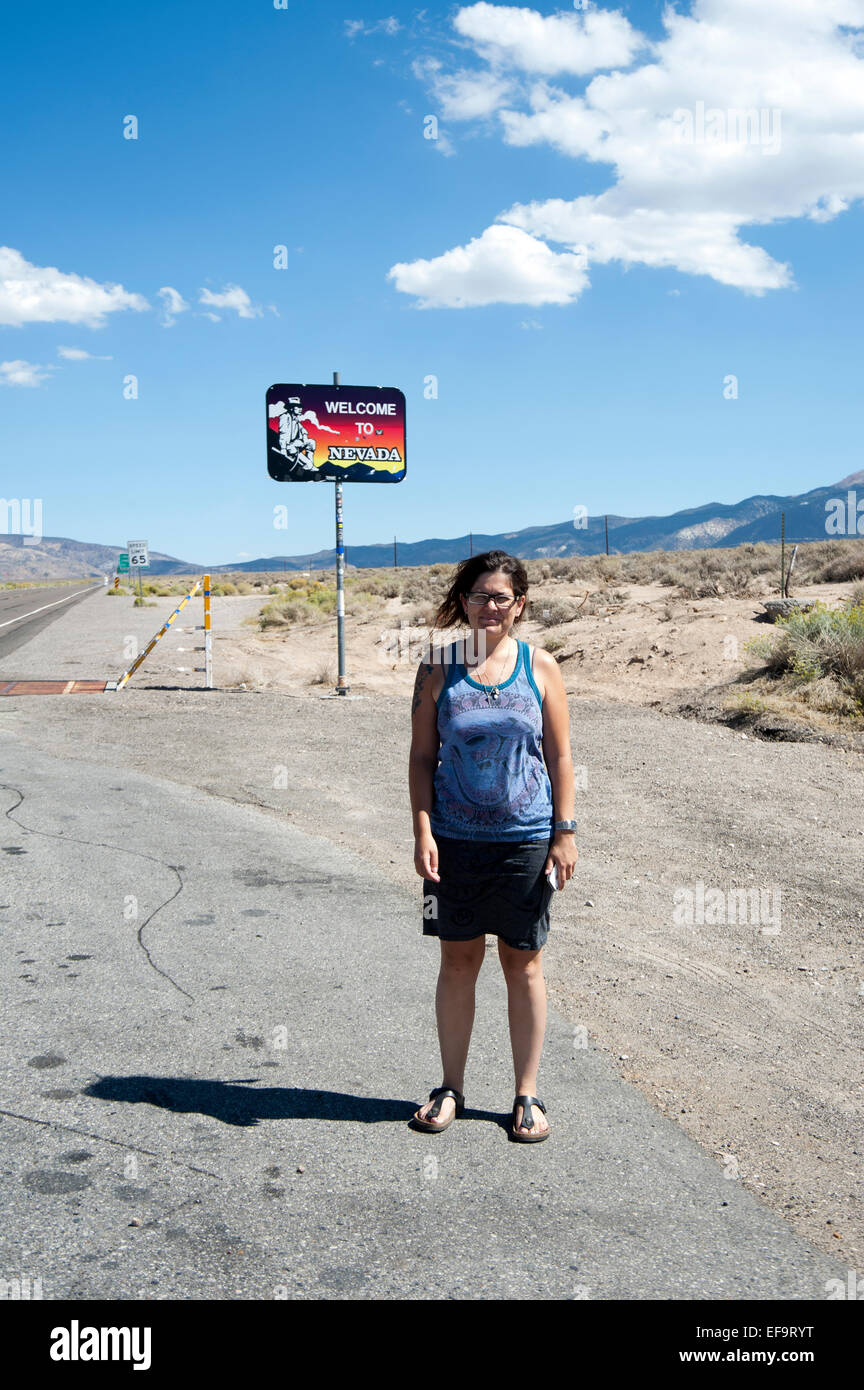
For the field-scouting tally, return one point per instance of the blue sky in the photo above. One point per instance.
(579, 270)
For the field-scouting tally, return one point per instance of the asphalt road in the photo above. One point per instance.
(25, 612)
(218, 1026)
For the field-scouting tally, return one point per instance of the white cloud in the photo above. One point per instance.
(355, 27)
(504, 265)
(443, 145)
(231, 297)
(522, 38)
(173, 304)
(80, 355)
(22, 373)
(463, 95)
(692, 242)
(744, 114)
(43, 294)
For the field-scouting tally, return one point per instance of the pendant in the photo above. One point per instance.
(495, 692)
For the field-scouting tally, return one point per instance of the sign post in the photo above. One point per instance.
(343, 434)
(139, 559)
(341, 687)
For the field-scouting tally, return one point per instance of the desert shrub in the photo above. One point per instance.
(738, 582)
(552, 612)
(360, 604)
(413, 591)
(608, 567)
(828, 697)
(841, 568)
(819, 643)
(640, 568)
(322, 601)
(282, 614)
(423, 615)
(598, 602)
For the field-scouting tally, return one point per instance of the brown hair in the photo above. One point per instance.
(451, 613)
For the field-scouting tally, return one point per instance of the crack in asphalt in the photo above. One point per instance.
(118, 849)
(118, 1143)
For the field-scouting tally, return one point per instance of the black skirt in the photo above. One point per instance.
(489, 886)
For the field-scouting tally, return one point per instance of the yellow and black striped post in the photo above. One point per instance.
(161, 633)
(208, 663)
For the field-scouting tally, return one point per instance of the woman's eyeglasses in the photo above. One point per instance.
(503, 601)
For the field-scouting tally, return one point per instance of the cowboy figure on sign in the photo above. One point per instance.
(294, 442)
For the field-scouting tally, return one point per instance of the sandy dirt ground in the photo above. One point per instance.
(641, 651)
(747, 1028)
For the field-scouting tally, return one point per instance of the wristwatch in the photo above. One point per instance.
(566, 825)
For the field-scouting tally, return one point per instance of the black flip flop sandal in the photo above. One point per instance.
(527, 1120)
(441, 1092)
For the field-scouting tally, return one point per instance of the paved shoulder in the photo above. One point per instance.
(220, 1026)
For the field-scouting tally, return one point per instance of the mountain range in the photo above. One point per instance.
(712, 525)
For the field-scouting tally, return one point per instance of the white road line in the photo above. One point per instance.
(33, 611)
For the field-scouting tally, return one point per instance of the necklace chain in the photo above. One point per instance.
(491, 692)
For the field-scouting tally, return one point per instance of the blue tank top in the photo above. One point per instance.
(491, 781)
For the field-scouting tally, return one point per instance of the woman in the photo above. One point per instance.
(490, 821)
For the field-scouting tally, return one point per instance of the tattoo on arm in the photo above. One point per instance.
(422, 672)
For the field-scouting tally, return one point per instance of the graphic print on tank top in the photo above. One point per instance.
(491, 782)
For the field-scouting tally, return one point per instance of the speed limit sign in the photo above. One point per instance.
(138, 557)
